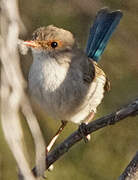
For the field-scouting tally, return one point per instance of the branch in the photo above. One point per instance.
(12, 92)
(124, 112)
(131, 172)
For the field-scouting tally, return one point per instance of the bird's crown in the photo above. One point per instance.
(51, 37)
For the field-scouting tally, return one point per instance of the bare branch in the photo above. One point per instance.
(131, 172)
(124, 112)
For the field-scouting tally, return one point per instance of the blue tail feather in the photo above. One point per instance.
(104, 25)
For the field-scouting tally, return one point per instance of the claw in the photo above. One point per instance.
(44, 177)
(82, 131)
(51, 167)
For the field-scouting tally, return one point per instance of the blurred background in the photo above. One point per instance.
(110, 149)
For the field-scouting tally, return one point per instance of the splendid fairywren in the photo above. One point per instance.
(66, 81)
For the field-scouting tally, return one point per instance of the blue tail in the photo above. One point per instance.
(104, 25)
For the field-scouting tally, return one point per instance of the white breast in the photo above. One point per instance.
(45, 77)
(47, 71)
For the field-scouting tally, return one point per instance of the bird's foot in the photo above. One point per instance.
(82, 132)
(51, 167)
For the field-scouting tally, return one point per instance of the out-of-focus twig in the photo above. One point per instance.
(124, 112)
(131, 172)
(13, 97)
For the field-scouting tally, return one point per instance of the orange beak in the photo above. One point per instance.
(32, 44)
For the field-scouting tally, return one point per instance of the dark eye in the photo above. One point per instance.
(54, 44)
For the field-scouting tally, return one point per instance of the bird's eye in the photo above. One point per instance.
(54, 44)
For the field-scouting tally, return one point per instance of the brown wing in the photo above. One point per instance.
(90, 74)
(95, 72)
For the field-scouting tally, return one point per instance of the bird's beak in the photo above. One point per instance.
(32, 44)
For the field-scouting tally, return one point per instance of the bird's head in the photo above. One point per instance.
(51, 40)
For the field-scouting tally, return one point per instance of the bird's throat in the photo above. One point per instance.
(49, 72)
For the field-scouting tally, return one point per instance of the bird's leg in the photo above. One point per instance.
(52, 142)
(82, 127)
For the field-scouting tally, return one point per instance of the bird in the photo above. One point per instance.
(65, 80)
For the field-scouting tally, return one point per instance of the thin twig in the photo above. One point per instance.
(124, 112)
(131, 172)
